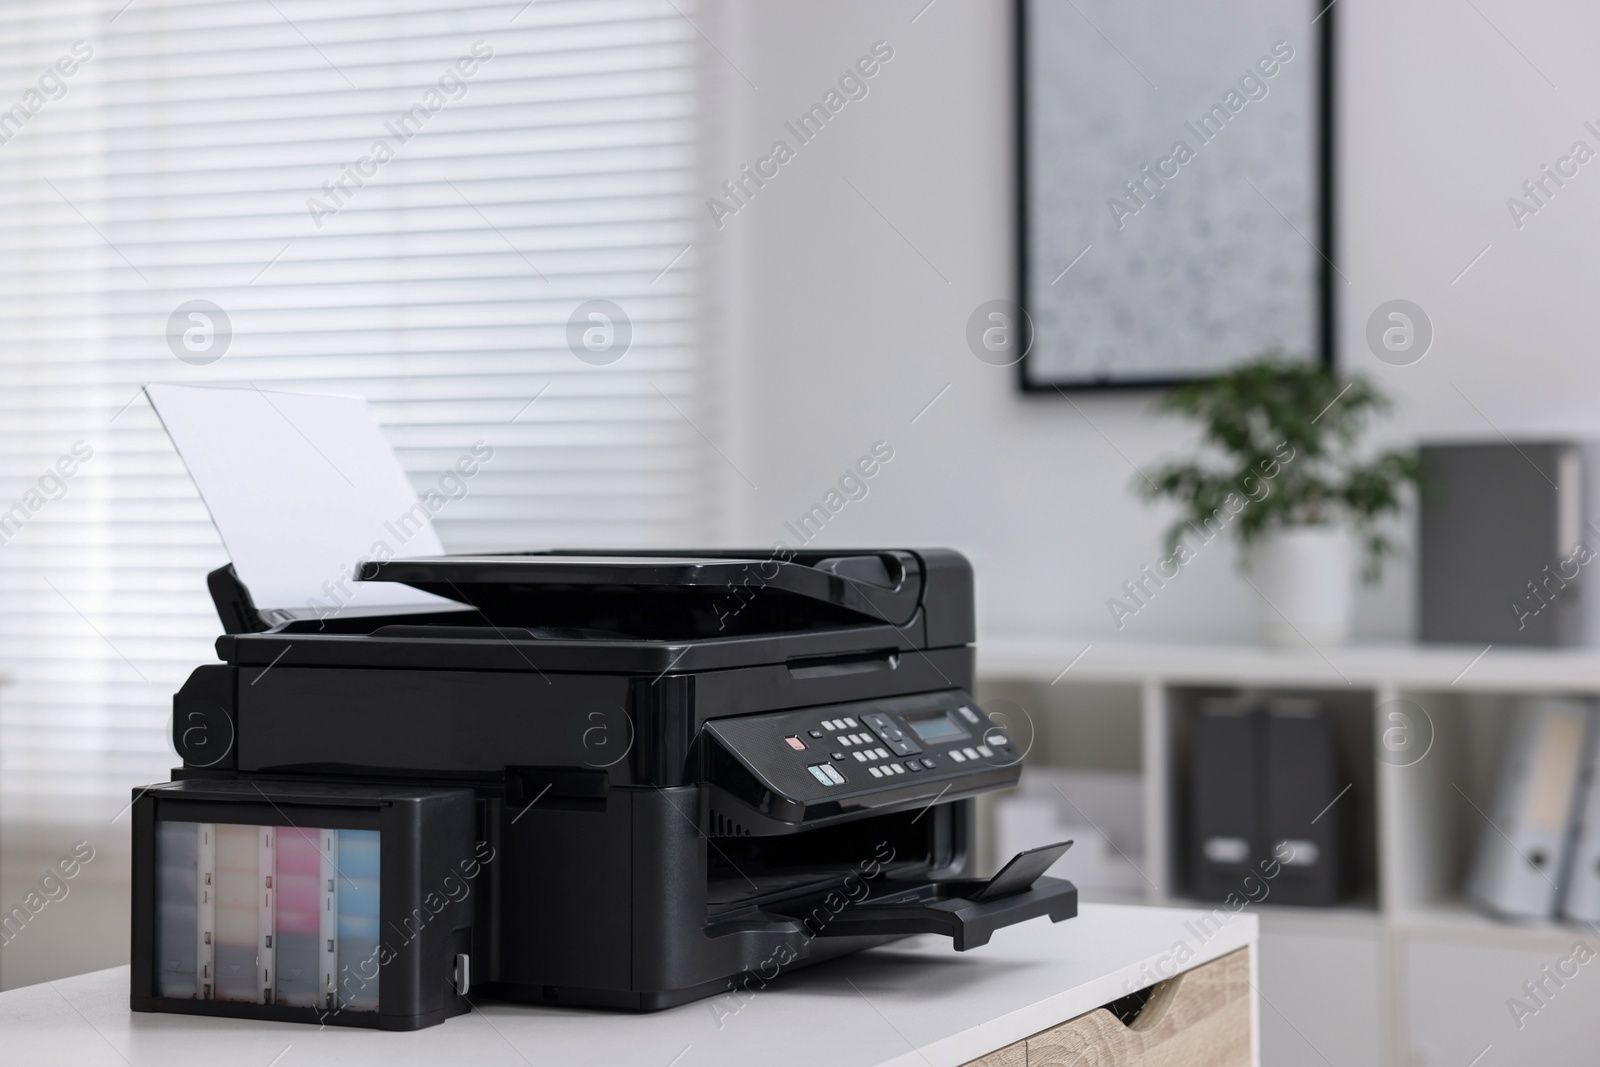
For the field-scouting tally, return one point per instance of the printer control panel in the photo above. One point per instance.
(884, 744)
(870, 747)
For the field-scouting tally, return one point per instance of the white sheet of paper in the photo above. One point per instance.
(301, 488)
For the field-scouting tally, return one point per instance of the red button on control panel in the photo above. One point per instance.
(795, 743)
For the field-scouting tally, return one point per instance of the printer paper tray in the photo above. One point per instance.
(927, 909)
(968, 910)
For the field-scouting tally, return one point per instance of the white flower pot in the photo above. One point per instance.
(1305, 578)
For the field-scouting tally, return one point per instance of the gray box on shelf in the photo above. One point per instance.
(1226, 837)
(1308, 830)
(1498, 543)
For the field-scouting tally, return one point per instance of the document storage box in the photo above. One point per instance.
(1264, 782)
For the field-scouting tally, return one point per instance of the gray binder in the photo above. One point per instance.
(1498, 525)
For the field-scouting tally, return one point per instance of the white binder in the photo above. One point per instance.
(1581, 891)
(1524, 852)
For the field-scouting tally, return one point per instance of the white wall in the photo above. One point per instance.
(843, 329)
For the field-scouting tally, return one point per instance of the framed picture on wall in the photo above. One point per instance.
(1175, 195)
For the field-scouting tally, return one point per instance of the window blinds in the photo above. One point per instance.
(415, 201)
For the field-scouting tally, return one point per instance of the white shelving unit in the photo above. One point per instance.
(1407, 973)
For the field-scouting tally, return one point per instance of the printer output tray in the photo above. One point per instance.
(968, 910)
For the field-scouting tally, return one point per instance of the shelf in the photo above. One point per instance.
(1418, 822)
(1456, 918)
(1043, 659)
(1421, 732)
(1359, 910)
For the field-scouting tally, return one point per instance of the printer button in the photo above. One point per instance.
(838, 779)
(970, 753)
(913, 765)
(842, 741)
(849, 723)
(819, 772)
(874, 772)
(838, 755)
(795, 743)
(861, 757)
(967, 713)
(985, 751)
(996, 739)
(927, 761)
(815, 735)
(956, 756)
(904, 748)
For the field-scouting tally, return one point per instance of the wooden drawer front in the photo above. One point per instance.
(1010, 1056)
(1199, 1019)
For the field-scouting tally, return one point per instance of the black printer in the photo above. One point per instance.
(615, 781)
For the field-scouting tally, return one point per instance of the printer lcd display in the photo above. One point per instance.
(937, 729)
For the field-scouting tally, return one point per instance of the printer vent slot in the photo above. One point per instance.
(723, 826)
(852, 663)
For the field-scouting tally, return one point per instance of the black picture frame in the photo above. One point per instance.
(1323, 172)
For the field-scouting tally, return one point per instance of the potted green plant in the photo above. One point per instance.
(1290, 486)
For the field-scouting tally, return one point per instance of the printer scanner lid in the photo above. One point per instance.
(614, 611)
(880, 587)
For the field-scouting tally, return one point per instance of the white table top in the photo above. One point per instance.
(916, 1002)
